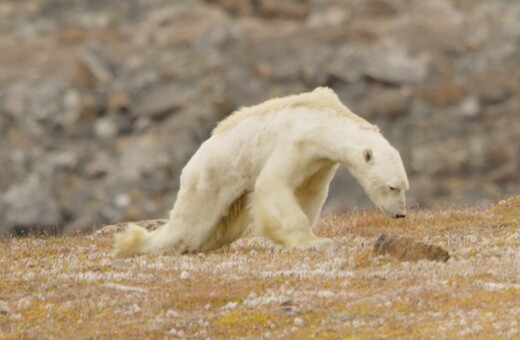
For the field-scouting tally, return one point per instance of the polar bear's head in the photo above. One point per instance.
(381, 173)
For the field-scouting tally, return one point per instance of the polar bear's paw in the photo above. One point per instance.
(131, 241)
(314, 242)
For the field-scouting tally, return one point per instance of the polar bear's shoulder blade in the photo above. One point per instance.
(321, 99)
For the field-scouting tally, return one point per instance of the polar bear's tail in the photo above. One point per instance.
(132, 241)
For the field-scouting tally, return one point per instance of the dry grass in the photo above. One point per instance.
(71, 287)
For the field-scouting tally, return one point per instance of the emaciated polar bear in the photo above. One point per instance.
(271, 164)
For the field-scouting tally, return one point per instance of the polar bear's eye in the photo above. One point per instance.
(393, 188)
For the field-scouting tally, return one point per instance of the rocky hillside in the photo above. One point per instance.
(103, 102)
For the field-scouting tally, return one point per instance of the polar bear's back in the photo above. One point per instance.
(321, 99)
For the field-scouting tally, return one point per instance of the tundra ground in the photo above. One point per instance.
(71, 287)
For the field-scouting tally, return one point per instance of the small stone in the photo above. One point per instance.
(32, 204)
(406, 249)
(492, 86)
(296, 9)
(106, 128)
(499, 155)
(395, 66)
(80, 225)
(121, 265)
(262, 70)
(470, 107)
(287, 307)
(118, 101)
(234, 7)
(506, 175)
(389, 104)
(178, 333)
(184, 275)
(98, 65)
(443, 95)
(162, 101)
(380, 8)
(73, 35)
(122, 200)
(230, 305)
(170, 313)
(331, 17)
(4, 307)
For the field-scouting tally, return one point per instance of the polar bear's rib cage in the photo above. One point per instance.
(322, 99)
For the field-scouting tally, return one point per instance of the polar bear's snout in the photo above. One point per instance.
(394, 214)
(393, 205)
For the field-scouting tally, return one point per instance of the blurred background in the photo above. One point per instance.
(102, 102)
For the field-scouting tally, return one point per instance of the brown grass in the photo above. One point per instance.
(71, 287)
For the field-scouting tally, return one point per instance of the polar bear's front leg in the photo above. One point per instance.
(312, 193)
(276, 212)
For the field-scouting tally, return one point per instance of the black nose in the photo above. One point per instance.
(400, 215)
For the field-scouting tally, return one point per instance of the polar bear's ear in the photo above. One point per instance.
(368, 156)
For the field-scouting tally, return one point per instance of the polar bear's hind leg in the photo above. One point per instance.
(231, 226)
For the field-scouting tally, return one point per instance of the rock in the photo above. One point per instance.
(4, 307)
(296, 9)
(118, 101)
(470, 107)
(389, 104)
(329, 17)
(348, 64)
(465, 5)
(80, 225)
(379, 8)
(73, 35)
(190, 24)
(92, 68)
(499, 155)
(162, 101)
(240, 8)
(443, 94)
(492, 86)
(395, 66)
(188, 129)
(79, 112)
(439, 32)
(31, 204)
(14, 103)
(145, 155)
(506, 175)
(100, 164)
(406, 249)
(106, 128)
(494, 114)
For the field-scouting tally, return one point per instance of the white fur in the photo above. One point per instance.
(272, 164)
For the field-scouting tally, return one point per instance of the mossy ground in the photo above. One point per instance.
(71, 287)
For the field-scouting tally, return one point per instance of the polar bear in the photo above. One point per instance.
(271, 165)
